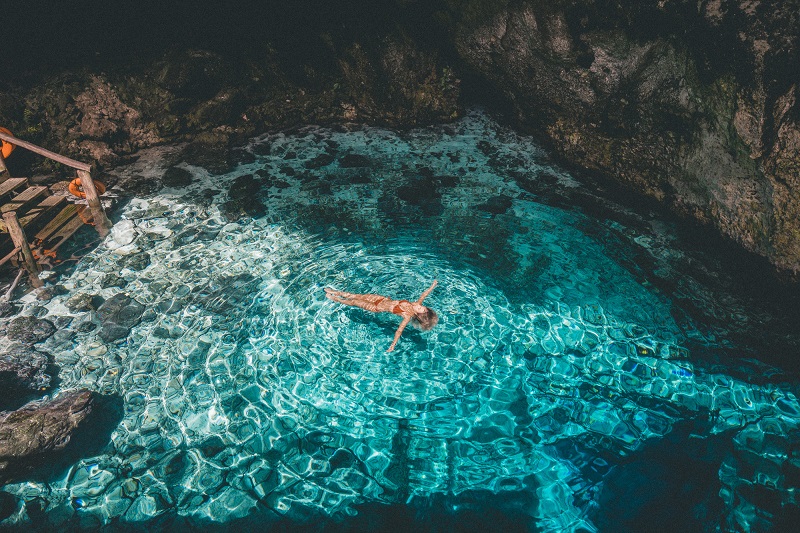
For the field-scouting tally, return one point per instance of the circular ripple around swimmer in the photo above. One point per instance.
(334, 358)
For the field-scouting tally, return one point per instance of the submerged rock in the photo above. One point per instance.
(29, 329)
(351, 160)
(118, 315)
(40, 427)
(322, 160)
(244, 201)
(82, 301)
(496, 205)
(23, 367)
(7, 309)
(176, 177)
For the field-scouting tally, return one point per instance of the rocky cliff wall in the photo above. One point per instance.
(692, 103)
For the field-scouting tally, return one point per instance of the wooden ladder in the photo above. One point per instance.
(50, 219)
(31, 209)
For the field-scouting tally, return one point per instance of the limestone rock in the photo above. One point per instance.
(696, 108)
(43, 426)
(29, 329)
(22, 367)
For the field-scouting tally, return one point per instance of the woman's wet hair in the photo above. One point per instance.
(426, 320)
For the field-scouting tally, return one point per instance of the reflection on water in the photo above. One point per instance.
(558, 381)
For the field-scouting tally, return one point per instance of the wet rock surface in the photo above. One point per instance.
(40, 427)
(29, 329)
(23, 368)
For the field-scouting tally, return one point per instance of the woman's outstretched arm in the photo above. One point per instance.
(427, 292)
(399, 332)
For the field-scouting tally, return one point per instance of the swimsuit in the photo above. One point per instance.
(397, 309)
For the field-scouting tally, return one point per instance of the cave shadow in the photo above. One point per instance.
(671, 484)
(470, 511)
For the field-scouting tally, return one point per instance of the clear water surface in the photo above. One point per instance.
(585, 375)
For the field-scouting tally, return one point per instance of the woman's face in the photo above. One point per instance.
(425, 317)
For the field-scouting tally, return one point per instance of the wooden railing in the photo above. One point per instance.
(77, 165)
(100, 220)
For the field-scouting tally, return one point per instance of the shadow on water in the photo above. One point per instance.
(672, 484)
(471, 511)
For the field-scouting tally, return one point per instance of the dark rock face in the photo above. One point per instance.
(706, 122)
(40, 427)
(118, 315)
(29, 329)
(22, 367)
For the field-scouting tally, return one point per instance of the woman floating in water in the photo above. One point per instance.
(424, 317)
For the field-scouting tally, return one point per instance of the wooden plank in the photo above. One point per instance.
(46, 153)
(45, 206)
(21, 242)
(21, 202)
(102, 224)
(10, 184)
(54, 225)
(10, 256)
(66, 231)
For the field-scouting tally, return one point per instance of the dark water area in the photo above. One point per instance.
(596, 367)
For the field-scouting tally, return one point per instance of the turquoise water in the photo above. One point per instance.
(563, 389)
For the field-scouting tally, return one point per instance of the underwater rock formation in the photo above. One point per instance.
(23, 367)
(29, 329)
(40, 427)
(118, 315)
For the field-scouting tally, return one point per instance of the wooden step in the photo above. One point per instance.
(12, 184)
(21, 202)
(67, 222)
(47, 205)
